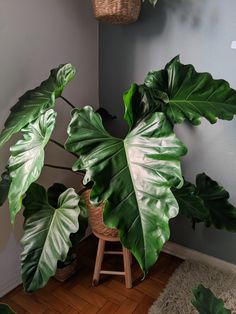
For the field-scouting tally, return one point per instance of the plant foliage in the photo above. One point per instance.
(4, 186)
(222, 214)
(207, 303)
(47, 230)
(35, 102)
(27, 158)
(206, 202)
(53, 194)
(138, 178)
(182, 94)
(133, 176)
(190, 203)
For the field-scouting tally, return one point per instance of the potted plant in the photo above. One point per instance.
(68, 267)
(118, 11)
(137, 178)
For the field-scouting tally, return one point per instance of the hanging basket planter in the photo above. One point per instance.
(117, 11)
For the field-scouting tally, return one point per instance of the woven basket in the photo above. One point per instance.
(96, 218)
(117, 11)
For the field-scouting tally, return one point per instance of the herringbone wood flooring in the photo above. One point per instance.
(77, 296)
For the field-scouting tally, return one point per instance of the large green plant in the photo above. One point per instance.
(138, 178)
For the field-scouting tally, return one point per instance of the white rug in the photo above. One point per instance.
(177, 296)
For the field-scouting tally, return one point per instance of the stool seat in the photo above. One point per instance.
(104, 234)
(106, 238)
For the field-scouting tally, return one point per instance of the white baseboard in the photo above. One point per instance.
(186, 253)
(11, 284)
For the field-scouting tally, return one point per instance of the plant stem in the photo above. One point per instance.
(62, 146)
(68, 102)
(57, 143)
(63, 168)
(58, 167)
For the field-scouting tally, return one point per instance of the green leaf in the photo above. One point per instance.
(190, 204)
(133, 176)
(4, 186)
(46, 238)
(206, 302)
(5, 309)
(141, 101)
(54, 192)
(206, 202)
(35, 102)
(83, 224)
(182, 94)
(105, 115)
(131, 97)
(27, 158)
(222, 214)
(193, 95)
(36, 197)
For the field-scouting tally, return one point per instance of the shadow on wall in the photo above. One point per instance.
(188, 11)
(120, 45)
(122, 60)
(154, 20)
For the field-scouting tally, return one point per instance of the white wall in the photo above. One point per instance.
(36, 36)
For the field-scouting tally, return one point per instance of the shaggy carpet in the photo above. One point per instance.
(177, 296)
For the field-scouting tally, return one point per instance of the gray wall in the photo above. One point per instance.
(36, 36)
(201, 31)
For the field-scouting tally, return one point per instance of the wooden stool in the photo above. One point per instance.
(103, 233)
(99, 258)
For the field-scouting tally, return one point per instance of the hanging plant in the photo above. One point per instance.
(118, 11)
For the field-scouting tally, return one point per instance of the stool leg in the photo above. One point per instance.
(127, 268)
(98, 263)
(131, 258)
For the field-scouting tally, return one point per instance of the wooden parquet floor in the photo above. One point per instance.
(76, 295)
